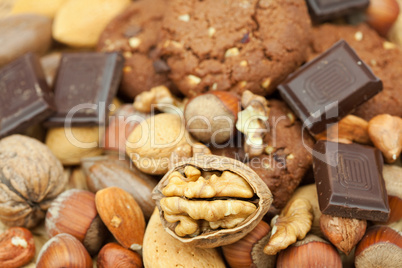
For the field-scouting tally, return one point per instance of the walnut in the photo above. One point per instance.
(210, 201)
(159, 97)
(293, 223)
(195, 186)
(30, 178)
(252, 122)
(186, 151)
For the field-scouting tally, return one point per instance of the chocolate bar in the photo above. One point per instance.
(321, 10)
(85, 86)
(349, 181)
(329, 87)
(25, 97)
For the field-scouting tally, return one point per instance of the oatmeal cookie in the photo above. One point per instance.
(135, 33)
(287, 160)
(234, 45)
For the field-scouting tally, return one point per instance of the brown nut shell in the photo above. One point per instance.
(262, 199)
(30, 178)
(116, 256)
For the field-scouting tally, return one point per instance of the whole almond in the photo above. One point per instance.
(122, 216)
(108, 171)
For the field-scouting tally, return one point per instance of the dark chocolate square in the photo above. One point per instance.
(25, 97)
(85, 86)
(349, 181)
(329, 87)
(321, 10)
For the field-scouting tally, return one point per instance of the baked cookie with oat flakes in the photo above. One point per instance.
(234, 44)
(287, 158)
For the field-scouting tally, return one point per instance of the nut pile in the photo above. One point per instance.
(215, 133)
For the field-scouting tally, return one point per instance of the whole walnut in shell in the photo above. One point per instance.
(210, 201)
(30, 178)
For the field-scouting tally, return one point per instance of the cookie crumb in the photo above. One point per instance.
(359, 36)
(266, 82)
(185, 17)
(231, 52)
(243, 63)
(193, 80)
(211, 31)
(388, 45)
(134, 42)
(214, 86)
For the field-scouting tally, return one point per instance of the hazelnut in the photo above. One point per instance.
(393, 183)
(30, 178)
(382, 14)
(248, 251)
(380, 247)
(74, 212)
(311, 252)
(122, 216)
(350, 128)
(343, 233)
(152, 142)
(211, 117)
(17, 247)
(63, 250)
(386, 133)
(395, 34)
(113, 255)
(107, 171)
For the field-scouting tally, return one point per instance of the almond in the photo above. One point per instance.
(122, 216)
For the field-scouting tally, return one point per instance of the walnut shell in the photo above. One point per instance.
(210, 238)
(30, 178)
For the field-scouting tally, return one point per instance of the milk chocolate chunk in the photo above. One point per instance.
(329, 87)
(85, 86)
(321, 10)
(25, 98)
(349, 181)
